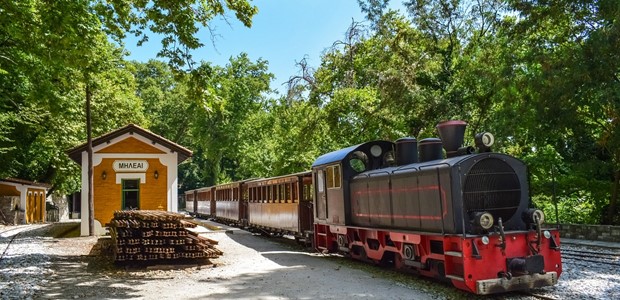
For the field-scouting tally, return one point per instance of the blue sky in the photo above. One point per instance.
(283, 31)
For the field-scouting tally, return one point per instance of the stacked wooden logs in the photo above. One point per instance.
(155, 236)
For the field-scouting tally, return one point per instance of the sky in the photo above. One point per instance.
(283, 32)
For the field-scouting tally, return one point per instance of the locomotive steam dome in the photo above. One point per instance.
(492, 186)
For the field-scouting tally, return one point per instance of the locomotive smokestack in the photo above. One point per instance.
(452, 134)
(406, 151)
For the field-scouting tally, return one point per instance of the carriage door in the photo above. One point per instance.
(321, 195)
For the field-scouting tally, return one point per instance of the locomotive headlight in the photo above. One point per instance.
(547, 234)
(485, 240)
(484, 220)
(484, 140)
(532, 215)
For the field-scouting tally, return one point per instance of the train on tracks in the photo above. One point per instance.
(464, 217)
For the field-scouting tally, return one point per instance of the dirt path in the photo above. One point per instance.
(252, 267)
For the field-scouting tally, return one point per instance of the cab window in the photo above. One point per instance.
(333, 177)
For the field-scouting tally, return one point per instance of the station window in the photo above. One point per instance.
(131, 193)
(333, 177)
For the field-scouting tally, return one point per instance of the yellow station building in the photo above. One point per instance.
(133, 168)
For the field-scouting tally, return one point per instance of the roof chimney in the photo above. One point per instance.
(452, 134)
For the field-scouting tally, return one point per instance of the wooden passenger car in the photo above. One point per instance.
(230, 206)
(281, 204)
(205, 202)
(190, 201)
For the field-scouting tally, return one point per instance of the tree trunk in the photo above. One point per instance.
(91, 202)
(611, 210)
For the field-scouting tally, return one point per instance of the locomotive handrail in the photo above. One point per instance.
(443, 225)
(427, 167)
(405, 168)
(462, 211)
(373, 174)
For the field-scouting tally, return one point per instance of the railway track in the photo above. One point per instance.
(607, 258)
(10, 236)
(8, 245)
(537, 296)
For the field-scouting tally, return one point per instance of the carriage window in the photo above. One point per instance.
(282, 193)
(294, 193)
(308, 191)
(320, 181)
(270, 190)
(333, 177)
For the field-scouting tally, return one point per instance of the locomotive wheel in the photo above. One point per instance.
(358, 252)
(388, 259)
(399, 262)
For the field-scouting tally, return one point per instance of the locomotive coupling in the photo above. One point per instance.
(526, 265)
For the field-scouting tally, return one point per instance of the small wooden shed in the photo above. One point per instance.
(22, 201)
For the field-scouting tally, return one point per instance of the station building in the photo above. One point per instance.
(133, 168)
(22, 201)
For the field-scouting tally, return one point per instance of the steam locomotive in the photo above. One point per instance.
(465, 218)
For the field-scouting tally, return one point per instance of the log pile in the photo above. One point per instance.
(156, 236)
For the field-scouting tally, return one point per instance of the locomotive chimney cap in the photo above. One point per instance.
(452, 135)
(406, 140)
(451, 123)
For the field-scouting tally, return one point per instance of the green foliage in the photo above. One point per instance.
(541, 75)
(51, 51)
(177, 21)
(274, 142)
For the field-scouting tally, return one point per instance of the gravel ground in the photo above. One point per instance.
(582, 279)
(38, 266)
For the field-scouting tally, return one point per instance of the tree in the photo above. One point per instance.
(574, 74)
(228, 95)
(71, 37)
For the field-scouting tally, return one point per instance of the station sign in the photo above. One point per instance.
(130, 165)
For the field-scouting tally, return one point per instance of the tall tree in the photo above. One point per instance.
(574, 74)
(64, 36)
(228, 95)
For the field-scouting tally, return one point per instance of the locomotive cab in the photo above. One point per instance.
(332, 172)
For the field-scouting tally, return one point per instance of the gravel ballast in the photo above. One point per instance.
(253, 267)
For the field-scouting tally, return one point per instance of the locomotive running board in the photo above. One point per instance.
(499, 285)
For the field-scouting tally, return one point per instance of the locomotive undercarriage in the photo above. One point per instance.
(478, 264)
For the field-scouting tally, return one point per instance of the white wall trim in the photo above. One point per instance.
(121, 176)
